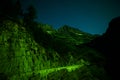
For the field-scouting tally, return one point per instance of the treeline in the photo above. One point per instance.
(12, 9)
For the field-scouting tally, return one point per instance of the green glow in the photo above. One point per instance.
(69, 68)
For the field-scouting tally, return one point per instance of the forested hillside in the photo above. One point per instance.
(27, 56)
(30, 50)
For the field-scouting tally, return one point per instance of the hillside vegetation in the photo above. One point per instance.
(30, 50)
(46, 54)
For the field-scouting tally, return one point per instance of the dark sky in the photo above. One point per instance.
(90, 16)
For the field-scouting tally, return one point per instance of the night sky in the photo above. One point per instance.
(91, 16)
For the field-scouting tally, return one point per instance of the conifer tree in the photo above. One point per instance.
(30, 16)
(18, 9)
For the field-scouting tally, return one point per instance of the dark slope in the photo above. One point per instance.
(108, 45)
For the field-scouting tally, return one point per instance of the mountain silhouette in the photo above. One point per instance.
(108, 45)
